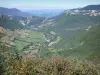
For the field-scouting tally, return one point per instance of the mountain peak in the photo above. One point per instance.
(15, 10)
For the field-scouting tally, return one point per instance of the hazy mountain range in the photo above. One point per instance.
(13, 11)
(42, 13)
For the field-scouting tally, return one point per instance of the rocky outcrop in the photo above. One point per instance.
(2, 30)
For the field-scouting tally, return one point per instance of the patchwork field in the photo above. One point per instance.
(27, 39)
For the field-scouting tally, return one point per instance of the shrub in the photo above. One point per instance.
(56, 65)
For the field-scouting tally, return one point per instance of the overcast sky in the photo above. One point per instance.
(46, 4)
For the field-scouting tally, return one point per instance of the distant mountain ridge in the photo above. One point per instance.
(2, 9)
(48, 13)
(91, 7)
(13, 11)
(88, 7)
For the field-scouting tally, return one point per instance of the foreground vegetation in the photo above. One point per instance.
(11, 63)
(55, 66)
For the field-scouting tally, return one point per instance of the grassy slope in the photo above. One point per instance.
(91, 47)
(33, 37)
(92, 41)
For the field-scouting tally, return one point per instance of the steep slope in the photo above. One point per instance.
(91, 41)
(71, 24)
(8, 23)
(89, 46)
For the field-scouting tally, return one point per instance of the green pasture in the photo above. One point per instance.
(33, 37)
